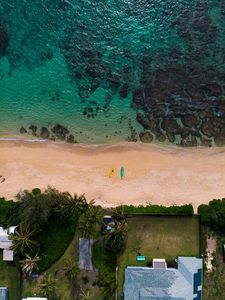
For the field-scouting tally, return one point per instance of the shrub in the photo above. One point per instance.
(213, 214)
(54, 240)
(8, 212)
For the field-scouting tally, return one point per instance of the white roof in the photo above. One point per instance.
(7, 255)
(34, 298)
(3, 232)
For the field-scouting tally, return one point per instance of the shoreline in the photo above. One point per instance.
(157, 174)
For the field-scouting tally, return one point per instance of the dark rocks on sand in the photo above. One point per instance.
(33, 128)
(45, 133)
(71, 139)
(190, 141)
(146, 137)
(23, 130)
(220, 140)
(205, 142)
(60, 131)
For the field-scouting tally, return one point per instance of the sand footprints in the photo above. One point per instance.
(2, 179)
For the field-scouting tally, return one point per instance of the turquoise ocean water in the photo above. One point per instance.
(110, 71)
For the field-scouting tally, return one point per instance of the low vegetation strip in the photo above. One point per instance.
(186, 209)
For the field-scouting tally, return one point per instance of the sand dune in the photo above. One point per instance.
(153, 173)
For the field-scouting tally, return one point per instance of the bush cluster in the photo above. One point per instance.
(213, 215)
(8, 213)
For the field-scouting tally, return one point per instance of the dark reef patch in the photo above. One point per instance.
(4, 38)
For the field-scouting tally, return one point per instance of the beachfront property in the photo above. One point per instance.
(160, 282)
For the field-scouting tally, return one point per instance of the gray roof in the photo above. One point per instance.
(142, 283)
(3, 293)
(85, 254)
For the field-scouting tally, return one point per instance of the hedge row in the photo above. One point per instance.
(186, 210)
(213, 215)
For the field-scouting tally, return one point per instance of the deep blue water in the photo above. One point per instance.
(114, 70)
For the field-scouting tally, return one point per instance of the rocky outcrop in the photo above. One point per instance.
(146, 137)
(23, 130)
(60, 131)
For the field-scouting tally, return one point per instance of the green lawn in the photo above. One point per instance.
(9, 277)
(158, 237)
(214, 283)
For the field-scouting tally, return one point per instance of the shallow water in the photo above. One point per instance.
(107, 70)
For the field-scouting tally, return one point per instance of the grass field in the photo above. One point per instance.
(9, 277)
(158, 237)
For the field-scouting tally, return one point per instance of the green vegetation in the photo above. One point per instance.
(213, 215)
(214, 282)
(159, 237)
(186, 209)
(8, 212)
(54, 240)
(105, 261)
(9, 277)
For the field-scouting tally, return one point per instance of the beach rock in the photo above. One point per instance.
(45, 133)
(205, 142)
(4, 38)
(169, 124)
(70, 139)
(23, 130)
(207, 128)
(219, 140)
(146, 137)
(33, 128)
(190, 141)
(60, 131)
(189, 120)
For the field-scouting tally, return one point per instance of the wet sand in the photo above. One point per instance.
(153, 173)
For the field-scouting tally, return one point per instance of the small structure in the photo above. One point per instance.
(159, 263)
(140, 258)
(224, 252)
(34, 298)
(160, 282)
(7, 255)
(4, 295)
(108, 224)
(85, 254)
(5, 242)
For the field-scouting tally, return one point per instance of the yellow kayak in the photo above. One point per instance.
(112, 172)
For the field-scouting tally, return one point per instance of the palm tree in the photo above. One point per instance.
(71, 270)
(47, 286)
(119, 213)
(86, 229)
(115, 240)
(21, 240)
(93, 214)
(28, 264)
(85, 295)
(109, 286)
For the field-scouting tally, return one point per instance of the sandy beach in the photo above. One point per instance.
(153, 173)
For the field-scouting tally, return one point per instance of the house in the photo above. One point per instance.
(108, 224)
(4, 295)
(162, 283)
